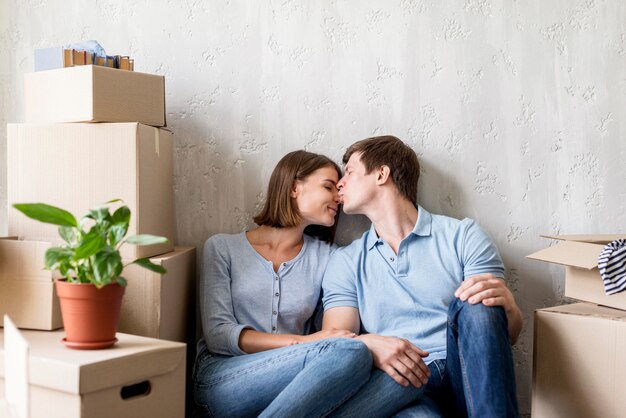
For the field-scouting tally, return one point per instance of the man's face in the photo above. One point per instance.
(356, 188)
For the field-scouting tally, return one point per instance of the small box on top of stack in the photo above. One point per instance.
(62, 158)
(578, 348)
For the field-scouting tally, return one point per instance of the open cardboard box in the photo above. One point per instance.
(578, 362)
(579, 254)
(154, 305)
(78, 166)
(91, 93)
(137, 377)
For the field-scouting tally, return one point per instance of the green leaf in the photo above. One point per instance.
(99, 214)
(69, 234)
(121, 216)
(116, 233)
(46, 213)
(58, 258)
(121, 281)
(146, 239)
(107, 266)
(92, 242)
(146, 263)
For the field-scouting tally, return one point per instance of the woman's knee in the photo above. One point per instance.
(353, 352)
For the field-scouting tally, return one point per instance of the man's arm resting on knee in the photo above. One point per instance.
(492, 291)
(395, 356)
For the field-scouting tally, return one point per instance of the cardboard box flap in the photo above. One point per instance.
(570, 253)
(590, 238)
(588, 309)
(132, 360)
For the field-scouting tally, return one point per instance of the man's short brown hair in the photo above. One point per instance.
(280, 209)
(390, 151)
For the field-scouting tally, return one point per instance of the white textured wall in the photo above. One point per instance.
(516, 108)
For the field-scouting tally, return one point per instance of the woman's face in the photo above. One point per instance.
(317, 197)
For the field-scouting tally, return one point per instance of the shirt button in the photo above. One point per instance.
(284, 264)
(277, 294)
(391, 258)
(273, 328)
(274, 312)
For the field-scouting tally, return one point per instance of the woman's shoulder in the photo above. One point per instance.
(319, 247)
(225, 242)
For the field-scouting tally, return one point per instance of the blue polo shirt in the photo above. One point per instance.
(407, 294)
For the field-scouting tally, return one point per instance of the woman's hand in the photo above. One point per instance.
(322, 335)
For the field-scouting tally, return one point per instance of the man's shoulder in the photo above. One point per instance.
(448, 224)
(353, 248)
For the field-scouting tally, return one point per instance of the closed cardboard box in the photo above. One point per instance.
(578, 362)
(91, 93)
(27, 292)
(579, 253)
(159, 306)
(138, 377)
(80, 166)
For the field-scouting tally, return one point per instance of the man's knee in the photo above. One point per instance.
(477, 315)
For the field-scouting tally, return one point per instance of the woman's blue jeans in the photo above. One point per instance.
(304, 380)
(477, 378)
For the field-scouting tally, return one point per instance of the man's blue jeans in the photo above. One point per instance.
(477, 379)
(304, 380)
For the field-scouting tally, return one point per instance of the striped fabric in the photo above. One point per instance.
(612, 266)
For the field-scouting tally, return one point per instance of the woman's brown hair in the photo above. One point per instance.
(280, 209)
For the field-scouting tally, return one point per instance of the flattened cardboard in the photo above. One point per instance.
(80, 166)
(578, 362)
(582, 278)
(158, 306)
(67, 383)
(27, 291)
(91, 93)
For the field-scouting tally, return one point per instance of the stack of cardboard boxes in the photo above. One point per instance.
(61, 157)
(579, 366)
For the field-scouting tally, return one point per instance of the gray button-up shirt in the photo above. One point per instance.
(240, 289)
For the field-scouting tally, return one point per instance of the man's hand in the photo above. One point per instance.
(488, 289)
(492, 291)
(398, 358)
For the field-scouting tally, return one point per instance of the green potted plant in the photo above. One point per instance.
(89, 262)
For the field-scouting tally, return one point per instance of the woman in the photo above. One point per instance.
(259, 294)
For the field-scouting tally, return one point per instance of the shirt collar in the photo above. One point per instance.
(424, 223)
(422, 228)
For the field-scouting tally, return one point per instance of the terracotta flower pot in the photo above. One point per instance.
(90, 315)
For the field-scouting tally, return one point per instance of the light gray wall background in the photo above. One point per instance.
(516, 108)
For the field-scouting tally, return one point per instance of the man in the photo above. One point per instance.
(426, 293)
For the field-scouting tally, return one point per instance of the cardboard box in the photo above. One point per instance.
(137, 377)
(91, 93)
(579, 253)
(578, 362)
(80, 166)
(27, 292)
(159, 306)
